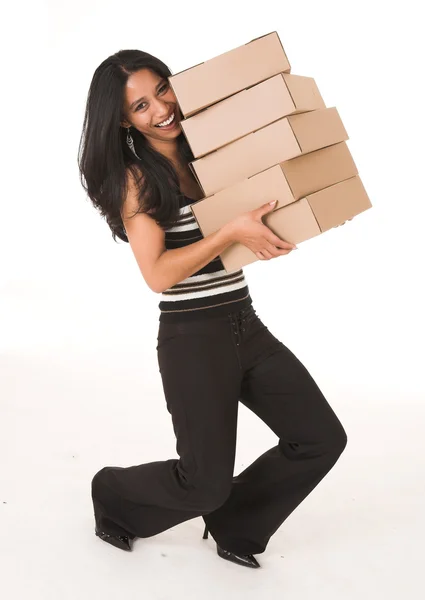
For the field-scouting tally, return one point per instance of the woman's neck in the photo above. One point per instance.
(167, 148)
(188, 183)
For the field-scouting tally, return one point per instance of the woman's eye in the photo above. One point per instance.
(161, 90)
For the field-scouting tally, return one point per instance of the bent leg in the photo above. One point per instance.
(281, 391)
(201, 378)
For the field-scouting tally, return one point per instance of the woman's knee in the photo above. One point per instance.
(335, 439)
(330, 442)
(335, 436)
(339, 440)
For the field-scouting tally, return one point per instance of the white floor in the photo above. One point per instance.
(359, 534)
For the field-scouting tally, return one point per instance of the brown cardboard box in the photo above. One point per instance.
(229, 73)
(249, 110)
(286, 182)
(282, 140)
(306, 218)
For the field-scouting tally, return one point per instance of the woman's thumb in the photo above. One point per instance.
(268, 207)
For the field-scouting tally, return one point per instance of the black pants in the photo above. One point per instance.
(207, 366)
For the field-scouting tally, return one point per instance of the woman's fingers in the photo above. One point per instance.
(278, 243)
(266, 255)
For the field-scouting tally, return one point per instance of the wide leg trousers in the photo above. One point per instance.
(207, 366)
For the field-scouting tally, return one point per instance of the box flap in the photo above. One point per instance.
(304, 92)
(318, 129)
(338, 203)
(316, 170)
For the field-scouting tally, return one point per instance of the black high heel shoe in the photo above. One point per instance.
(246, 560)
(124, 542)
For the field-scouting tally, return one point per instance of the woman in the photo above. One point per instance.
(213, 349)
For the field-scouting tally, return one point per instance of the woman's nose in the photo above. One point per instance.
(160, 109)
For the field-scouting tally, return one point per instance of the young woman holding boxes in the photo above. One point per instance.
(213, 349)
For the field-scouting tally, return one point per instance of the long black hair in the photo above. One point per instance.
(104, 156)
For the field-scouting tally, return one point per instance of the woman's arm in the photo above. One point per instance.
(176, 265)
(162, 268)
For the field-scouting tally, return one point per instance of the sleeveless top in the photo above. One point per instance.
(208, 292)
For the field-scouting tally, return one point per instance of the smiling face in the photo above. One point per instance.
(151, 107)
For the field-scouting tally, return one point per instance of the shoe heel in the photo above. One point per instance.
(205, 536)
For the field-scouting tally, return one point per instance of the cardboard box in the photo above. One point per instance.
(249, 110)
(286, 182)
(280, 141)
(229, 73)
(307, 218)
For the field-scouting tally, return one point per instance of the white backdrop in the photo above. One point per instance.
(80, 386)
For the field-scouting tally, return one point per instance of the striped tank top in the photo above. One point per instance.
(208, 292)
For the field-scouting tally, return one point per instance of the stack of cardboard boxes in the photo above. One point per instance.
(259, 133)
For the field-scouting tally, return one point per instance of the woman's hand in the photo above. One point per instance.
(248, 229)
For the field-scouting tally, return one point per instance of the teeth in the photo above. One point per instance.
(167, 122)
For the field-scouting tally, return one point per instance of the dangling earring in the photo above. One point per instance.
(130, 143)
